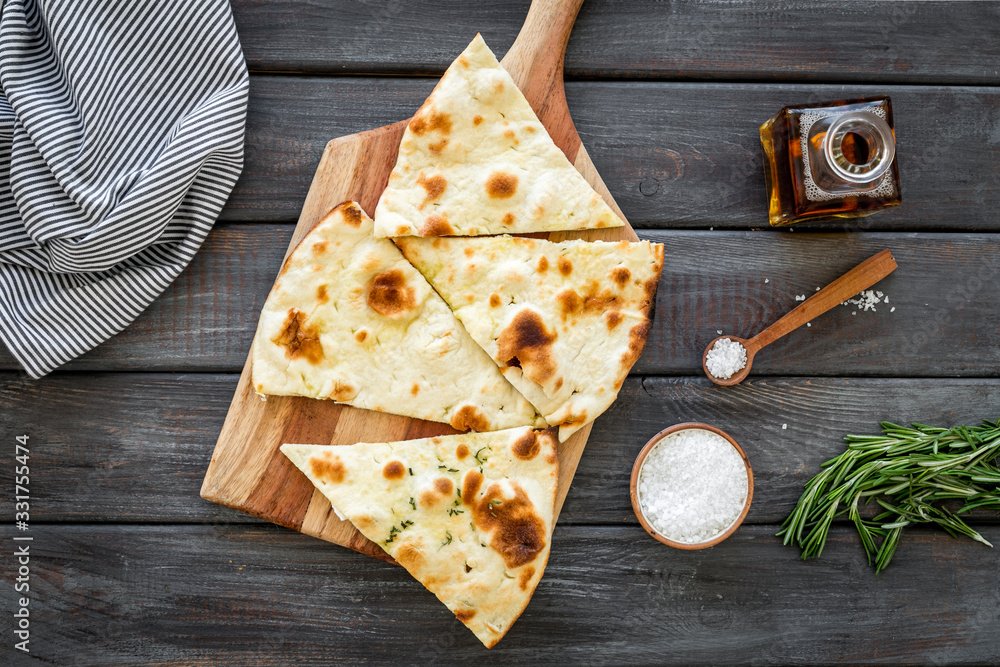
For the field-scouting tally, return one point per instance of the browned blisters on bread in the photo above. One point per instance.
(465, 615)
(569, 302)
(342, 392)
(327, 467)
(596, 300)
(364, 522)
(321, 295)
(613, 318)
(517, 532)
(526, 343)
(494, 300)
(463, 61)
(461, 451)
(319, 247)
(621, 275)
(508, 219)
(543, 264)
(402, 230)
(469, 417)
(427, 121)
(436, 225)
(361, 335)
(394, 470)
(415, 389)
(371, 262)
(470, 486)
(552, 435)
(636, 341)
(434, 186)
(511, 136)
(557, 385)
(409, 553)
(574, 419)
(526, 447)
(524, 578)
(443, 489)
(438, 146)
(501, 185)
(601, 301)
(300, 340)
(389, 294)
(650, 287)
(565, 266)
(477, 119)
(351, 213)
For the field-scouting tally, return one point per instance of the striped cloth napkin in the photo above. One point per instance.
(121, 137)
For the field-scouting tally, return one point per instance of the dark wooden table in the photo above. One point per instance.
(129, 565)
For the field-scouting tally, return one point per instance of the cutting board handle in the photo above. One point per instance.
(535, 61)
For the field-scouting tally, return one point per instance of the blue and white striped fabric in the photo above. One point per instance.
(121, 137)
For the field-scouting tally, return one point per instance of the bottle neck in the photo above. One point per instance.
(858, 148)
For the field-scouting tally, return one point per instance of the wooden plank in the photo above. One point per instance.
(946, 322)
(672, 154)
(846, 41)
(265, 596)
(141, 457)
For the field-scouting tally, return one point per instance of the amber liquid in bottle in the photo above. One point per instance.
(833, 159)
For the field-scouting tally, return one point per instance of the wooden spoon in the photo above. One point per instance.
(858, 279)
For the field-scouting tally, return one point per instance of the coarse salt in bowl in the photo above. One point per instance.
(691, 486)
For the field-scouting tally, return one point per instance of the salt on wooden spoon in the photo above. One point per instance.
(858, 279)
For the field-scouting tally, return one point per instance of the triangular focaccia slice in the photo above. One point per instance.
(469, 516)
(475, 160)
(349, 319)
(563, 321)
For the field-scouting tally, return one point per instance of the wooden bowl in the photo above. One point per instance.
(634, 487)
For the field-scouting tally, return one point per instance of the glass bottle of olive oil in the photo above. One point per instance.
(833, 159)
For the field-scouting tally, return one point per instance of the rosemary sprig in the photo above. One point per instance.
(911, 473)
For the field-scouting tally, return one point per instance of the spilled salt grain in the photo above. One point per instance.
(725, 358)
(808, 324)
(867, 300)
(766, 280)
(692, 486)
(784, 427)
(893, 309)
(800, 297)
(718, 331)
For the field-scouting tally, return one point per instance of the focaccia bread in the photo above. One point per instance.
(564, 321)
(476, 160)
(349, 319)
(469, 516)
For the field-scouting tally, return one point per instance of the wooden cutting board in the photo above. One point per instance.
(247, 471)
